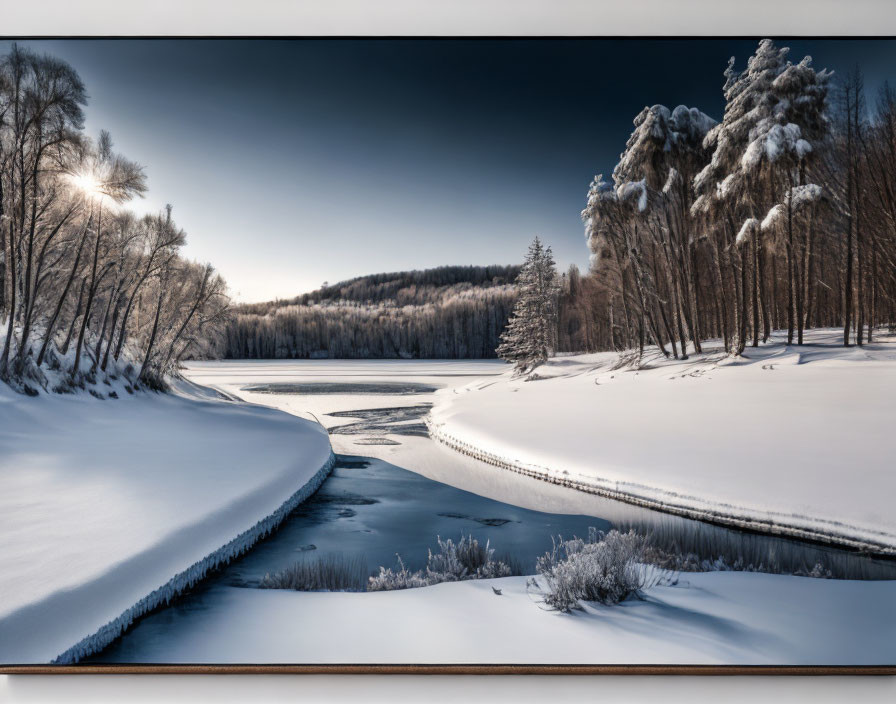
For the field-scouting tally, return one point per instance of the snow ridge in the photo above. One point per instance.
(831, 532)
(196, 572)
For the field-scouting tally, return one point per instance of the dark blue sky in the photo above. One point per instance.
(292, 162)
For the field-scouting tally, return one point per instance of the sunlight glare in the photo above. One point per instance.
(88, 183)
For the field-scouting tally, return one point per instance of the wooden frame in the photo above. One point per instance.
(828, 670)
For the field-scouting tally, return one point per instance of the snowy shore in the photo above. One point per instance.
(715, 617)
(787, 440)
(734, 618)
(111, 507)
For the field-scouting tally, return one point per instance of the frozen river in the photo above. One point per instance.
(393, 491)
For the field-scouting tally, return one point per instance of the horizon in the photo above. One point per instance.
(403, 153)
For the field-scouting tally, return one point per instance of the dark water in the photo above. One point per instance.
(391, 388)
(372, 509)
(383, 421)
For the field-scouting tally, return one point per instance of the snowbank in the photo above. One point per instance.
(110, 507)
(787, 440)
(709, 618)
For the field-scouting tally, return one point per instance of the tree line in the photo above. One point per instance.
(84, 283)
(450, 312)
(780, 216)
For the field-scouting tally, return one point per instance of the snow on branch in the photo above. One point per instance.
(776, 142)
(807, 194)
(673, 178)
(776, 213)
(631, 190)
(746, 231)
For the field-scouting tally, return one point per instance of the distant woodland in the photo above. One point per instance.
(451, 312)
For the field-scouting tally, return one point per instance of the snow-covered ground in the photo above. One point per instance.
(709, 618)
(720, 617)
(108, 507)
(794, 440)
(167, 473)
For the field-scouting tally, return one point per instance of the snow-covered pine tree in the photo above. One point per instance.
(774, 112)
(531, 333)
(660, 159)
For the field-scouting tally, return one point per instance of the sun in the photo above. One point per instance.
(87, 182)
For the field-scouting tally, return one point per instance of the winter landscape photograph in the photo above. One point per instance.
(447, 352)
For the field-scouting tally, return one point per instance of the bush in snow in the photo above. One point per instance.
(331, 573)
(604, 568)
(401, 578)
(466, 559)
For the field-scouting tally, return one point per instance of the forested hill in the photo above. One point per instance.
(450, 312)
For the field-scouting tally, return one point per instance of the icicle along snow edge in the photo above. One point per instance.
(837, 536)
(195, 573)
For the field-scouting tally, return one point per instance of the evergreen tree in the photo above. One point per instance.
(774, 118)
(531, 333)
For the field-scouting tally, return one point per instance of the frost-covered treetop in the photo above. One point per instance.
(774, 110)
(600, 191)
(661, 136)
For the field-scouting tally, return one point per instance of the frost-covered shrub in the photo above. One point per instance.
(605, 568)
(819, 571)
(331, 573)
(466, 559)
(691, 562)
(400, 578)
(463, 559)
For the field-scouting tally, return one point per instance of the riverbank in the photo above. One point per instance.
(112, 507)
(734, 618)
(784, 440)
(371, 508)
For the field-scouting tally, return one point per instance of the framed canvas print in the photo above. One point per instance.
(335, 355)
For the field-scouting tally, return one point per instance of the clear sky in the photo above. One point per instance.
(293, 162)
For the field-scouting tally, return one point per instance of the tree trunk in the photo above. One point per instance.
(790, 265)
(755, 252)
(91, 294)
(10, 325)
(51, 326)
(155, 330)
(763, 291)
(75, 316)
(697, 330)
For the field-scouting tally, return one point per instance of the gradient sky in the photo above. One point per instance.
(293, 162)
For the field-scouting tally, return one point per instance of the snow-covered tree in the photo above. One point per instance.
(73, 265)
(774, 115)
(640, 229)
(531, 333)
